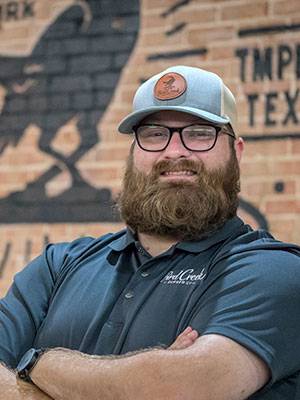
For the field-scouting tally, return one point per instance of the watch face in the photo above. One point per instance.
(26, 363)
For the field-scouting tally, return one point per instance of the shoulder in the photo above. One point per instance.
(256, 257)
(66, 252)
(259, 245)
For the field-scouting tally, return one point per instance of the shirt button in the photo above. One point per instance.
(128, 295)
(144, 274)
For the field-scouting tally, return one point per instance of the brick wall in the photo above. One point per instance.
(69, 74)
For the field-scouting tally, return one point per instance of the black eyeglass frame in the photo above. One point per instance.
(179, 130)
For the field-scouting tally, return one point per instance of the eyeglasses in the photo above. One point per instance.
(195, 137)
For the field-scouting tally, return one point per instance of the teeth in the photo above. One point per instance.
(178, 173)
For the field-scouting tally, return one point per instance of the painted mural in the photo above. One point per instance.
(58, 82)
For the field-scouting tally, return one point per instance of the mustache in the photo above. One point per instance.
(174, 166)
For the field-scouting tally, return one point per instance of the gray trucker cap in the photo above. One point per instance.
(186, 89)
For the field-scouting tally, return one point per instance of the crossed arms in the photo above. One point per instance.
(208, 367)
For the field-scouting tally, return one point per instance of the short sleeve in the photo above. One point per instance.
(25, 306)
(254, 299)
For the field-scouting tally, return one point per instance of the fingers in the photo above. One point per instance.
(185, 339)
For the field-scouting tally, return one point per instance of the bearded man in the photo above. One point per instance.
(107, 310)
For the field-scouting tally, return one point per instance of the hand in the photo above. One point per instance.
(185, 339)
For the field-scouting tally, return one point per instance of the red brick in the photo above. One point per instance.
(286, 7)
(241, 11)
(157, 4)
(200, 37)
(283, 207)
(266, 188)
(221, 53)
(285, 167)
(295, 146)
(196, 16)
(248, 219)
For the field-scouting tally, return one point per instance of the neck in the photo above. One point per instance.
(156, 245)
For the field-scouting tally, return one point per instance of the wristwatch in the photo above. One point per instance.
(27, 362)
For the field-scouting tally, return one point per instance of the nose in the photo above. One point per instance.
(176, 148)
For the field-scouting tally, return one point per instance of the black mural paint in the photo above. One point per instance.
(12, 9)
(291, 113)
(297, 70)
(27, 255)
(270, 108)
(242, 54)
(175, 7)
(177, 29)
(265, 61)
(285, 56)
(279, 187)
(262, 64)
(260, 137)
(17, 10)
(177, 54)
(252, 98)
(266, 30)
(46, 240)
(28, 9)
(78, 72)
(254, 212)
(269, 63)
(5, 258)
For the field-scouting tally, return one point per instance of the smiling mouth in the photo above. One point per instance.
(178, 173)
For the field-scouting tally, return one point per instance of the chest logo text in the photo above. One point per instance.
(187, 277)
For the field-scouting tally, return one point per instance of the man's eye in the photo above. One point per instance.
(199, 135)
(159, 134)
(156, 134)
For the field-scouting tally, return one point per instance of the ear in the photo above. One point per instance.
(238, 148)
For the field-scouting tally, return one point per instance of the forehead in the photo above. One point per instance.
(172, 117)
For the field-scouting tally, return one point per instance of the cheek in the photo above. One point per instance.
(215, 158)
(143, 160)
(209, 159)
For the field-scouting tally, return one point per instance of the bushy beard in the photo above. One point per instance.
(181, 209)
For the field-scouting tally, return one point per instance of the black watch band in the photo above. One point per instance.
(27, 363)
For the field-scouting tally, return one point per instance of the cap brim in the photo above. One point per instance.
(136, 117)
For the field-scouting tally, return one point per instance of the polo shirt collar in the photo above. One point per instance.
(220, 235)
(127, 238)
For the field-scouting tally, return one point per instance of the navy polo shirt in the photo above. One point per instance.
(109, 296)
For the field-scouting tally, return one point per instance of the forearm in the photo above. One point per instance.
(14, 389)
(151, 374)
(73, 384)
(212, 368)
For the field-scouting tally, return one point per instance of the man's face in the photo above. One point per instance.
(215, 158)
(179, 193)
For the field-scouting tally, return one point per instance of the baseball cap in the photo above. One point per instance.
(187, 89)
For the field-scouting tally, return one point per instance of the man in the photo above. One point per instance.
(106, 309)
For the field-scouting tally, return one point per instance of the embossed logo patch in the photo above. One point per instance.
(170, 86)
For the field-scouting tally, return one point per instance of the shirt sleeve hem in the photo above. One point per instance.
(261, 350)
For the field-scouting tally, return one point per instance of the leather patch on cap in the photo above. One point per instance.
(170, 86)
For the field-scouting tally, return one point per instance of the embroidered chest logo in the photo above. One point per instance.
(187, 277)
(170, 86)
